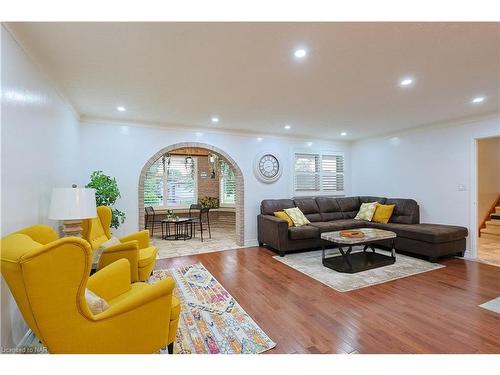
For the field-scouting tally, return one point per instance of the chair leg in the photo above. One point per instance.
(170, 348)
(201, 230)
(209, 232)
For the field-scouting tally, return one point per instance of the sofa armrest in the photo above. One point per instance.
(273, 231)
(112, 280)
(141, 237)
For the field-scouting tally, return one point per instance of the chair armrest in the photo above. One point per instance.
(141, 237)
(128, 250)
(272, 230)
(112, 280)
(161, 289)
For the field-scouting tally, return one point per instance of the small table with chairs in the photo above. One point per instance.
(179, 228)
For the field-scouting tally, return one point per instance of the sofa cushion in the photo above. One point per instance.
(329, 208)
(405, 212)
(309, 208)
(332, 226)
(303, 233)
(349, 206)
(270, 206)
(369, 199)
(433, 233)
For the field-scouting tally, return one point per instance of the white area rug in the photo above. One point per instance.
(493, 305)
(310, 264)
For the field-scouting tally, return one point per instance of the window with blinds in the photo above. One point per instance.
(319, 172)
(171, 184)
(227, 186)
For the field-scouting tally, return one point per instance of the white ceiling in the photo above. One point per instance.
(245, 73)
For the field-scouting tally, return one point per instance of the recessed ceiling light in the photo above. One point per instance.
(300, 53)
(121, 109)
(309, 144)
(260, 139)
(478, 99)
(287, 127)
(406, 82)
(343, 134)
(215, 119)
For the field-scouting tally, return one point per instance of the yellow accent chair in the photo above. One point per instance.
(48, 277)
(134, 247)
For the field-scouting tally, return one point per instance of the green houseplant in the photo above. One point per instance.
(106, 194)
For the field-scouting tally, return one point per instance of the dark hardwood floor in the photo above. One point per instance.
(433, 312)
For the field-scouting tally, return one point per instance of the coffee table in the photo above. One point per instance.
(183, 230)
(349, 262)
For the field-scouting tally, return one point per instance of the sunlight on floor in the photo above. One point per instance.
(488, 251)
(222, 239)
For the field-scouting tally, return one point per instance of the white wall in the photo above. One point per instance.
(433, 165)
(40, 141)
(122, 151)
(488, 175)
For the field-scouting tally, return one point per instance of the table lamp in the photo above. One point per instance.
(72, 205)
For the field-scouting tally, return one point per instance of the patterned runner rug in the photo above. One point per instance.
(211, 321)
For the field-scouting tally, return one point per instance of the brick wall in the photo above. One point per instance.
(207, 187)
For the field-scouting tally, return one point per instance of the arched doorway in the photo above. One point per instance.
(239, 198)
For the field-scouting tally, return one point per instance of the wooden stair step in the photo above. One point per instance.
(490, 236)
(493, 223)
(491, 231)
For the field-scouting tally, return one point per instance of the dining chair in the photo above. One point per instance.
(151, 219)
(199, 219)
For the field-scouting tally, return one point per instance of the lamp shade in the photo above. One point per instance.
(72, 204)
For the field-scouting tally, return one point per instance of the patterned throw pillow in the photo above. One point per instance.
(383, 213)
(366, 211)
(297, 216)
(98, 252)
(283, 215)
(95, 303)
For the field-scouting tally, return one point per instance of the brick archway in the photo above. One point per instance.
(239, 198)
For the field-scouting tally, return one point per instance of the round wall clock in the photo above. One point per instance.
(267, 167)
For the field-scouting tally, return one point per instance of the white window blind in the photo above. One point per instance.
(170, 184)
(180, 182)
(307, 172)
(319, 172)
(227, 186)
(153, 185)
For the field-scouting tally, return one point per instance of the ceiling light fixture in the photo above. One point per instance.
(121, 109)
(478, 99)
(300, 53)
(343, 134)
(406, 82)
(215, 119)
(287, 127)
(260, 139)
(309, 144)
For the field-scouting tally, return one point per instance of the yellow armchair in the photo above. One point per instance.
(135, 247)
(48, 276)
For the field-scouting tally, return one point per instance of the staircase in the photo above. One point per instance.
(492, 229)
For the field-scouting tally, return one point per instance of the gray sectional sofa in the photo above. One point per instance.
(331, 214)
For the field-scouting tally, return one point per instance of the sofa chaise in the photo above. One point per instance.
(328, 214)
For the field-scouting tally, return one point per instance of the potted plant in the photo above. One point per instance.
(106, 194)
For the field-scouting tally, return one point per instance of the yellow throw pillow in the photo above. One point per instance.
(383, 213)
(284, 216)
(297, 216)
